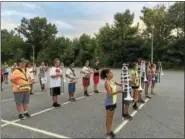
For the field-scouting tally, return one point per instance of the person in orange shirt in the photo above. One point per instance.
(21, 89)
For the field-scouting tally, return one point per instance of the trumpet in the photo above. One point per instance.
(125, 78)
(24, 87)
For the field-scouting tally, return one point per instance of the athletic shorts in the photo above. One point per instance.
(2, 79)
(6, 73)
(55, 91)
(21, 97)
(111, 107)
(96, 79)
(86, 81)
(135, 87)
(71, 88)
(126, 102)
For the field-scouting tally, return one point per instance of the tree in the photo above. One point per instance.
(37, 32)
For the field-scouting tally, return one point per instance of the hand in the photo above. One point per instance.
(119, 91)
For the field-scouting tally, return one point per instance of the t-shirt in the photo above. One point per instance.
(42, 71)
(86, 70)
(70, 73)
(55, 82)
(134, 74)
(18, 78)
(96, 67)
(30, 74)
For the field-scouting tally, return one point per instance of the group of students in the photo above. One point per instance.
(22, 86)
(151, 72)
(23, 79)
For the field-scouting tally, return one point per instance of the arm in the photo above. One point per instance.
(118, 84)
(108, 89)
(52, 74)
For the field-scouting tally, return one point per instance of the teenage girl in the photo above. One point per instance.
(153, 70)
(149, 79)
(135, 84)
(111, 99)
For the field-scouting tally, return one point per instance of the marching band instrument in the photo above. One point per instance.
(144, 70)
(125, 78)
(140, 74)
(24, 87)
(161, 69)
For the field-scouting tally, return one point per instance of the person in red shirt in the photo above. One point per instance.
(2, 79)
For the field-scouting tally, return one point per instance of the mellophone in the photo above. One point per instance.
(125, 81)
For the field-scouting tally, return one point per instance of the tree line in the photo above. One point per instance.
(113, 44)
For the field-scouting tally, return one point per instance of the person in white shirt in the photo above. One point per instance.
(42, 76)
(86, 74)
(30, 75)
(55, 82)
(71, 76)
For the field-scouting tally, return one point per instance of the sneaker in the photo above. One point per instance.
(74, 99)
(127, 116)
(21, 116)
(141, 101)
(56, 105)
(112, 134)
(27, 115)
(147, 96)
(135, 107)
(86, 94)
(31, 93)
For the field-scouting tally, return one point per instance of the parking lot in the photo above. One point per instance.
(160, 117)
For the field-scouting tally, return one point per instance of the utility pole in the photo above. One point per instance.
(152, 43)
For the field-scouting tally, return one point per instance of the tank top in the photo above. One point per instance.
(111, 99)
(135, 73)
(149, 74)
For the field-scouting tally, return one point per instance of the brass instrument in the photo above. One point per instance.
(140, 88)
(125, 78)
(24, 87)
(143, 65)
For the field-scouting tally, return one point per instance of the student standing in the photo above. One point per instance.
(55, 82)
(21, 89)
(111, 99)
(86, 74)
(96, 77)
(135, 84)
(71, 76)
(42, 76)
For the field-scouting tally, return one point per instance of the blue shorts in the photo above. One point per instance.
(71, 87)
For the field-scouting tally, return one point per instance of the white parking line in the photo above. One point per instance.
(35, 129)
(40, 112)
(126, 121)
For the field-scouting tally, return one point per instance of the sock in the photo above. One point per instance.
(20, 112)
(26, 112)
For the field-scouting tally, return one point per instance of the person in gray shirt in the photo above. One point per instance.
(42, 75)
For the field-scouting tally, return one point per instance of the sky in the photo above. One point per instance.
(71, 18)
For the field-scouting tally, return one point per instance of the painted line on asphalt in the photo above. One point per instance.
(35, 129)
(46, 110)
(119, 127)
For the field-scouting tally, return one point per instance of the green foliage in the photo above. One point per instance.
(113, 44)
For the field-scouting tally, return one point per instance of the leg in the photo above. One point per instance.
(109, 119)
(54, 93)
(70, 90)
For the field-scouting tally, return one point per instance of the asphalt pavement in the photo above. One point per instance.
(160, 117)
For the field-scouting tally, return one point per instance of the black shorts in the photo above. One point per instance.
(135, 87)
(2, 79)
(55, 91)
(111, 107)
